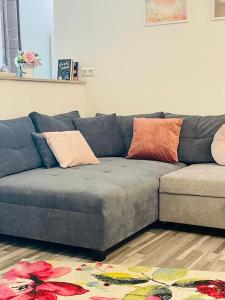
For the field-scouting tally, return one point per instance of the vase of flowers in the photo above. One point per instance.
(26, 62)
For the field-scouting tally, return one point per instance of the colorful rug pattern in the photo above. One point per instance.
(53, 280)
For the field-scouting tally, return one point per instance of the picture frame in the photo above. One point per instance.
(65, 69)
(159, 12)
(75, 75)
(218, 10)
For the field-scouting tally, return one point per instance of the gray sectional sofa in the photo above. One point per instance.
(98, 206)
(194, 195)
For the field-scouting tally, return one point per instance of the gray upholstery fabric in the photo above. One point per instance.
(46, 154)
(52, 225)
(197, 179)
(196, 137)
(126, 126)
(62, 122)
(17, 149)
(192, 210)
(89, 206)
(102, 134)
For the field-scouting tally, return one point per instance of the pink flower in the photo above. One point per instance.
(31, 282)
(212, 288)
(29, 57)
(154, 298)
(98, 264)
(6, 292)
(39, 269)
(37, 62)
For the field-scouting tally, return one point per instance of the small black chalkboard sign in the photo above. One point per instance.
(65, 67)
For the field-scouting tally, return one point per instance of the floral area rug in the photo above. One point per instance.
(53, 280)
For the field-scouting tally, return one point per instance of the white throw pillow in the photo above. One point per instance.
(218, 146)
(70, 148)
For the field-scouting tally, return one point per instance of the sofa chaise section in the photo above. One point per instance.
(93, 207)
(194, 195)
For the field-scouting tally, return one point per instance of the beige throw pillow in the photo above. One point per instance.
(70, 148)
(218, 146)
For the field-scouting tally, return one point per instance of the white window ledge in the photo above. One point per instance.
(42, 80)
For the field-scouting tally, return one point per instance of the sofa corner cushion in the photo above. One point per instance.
(46, 123)
(197, 134)
(17, 149)
(44, 150)
(126, 125)
(206, 180)
(102, 134)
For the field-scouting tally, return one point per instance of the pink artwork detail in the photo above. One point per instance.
(166, 11)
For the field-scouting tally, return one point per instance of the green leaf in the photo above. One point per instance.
(190, 283)
(122, 278)
(141, 293)
(139, 269)
(168, 274)
(153, 290)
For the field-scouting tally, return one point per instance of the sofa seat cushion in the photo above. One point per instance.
(198, 180)
(116, 184)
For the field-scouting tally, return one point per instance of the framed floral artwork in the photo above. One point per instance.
(218, 9)
(159, 12)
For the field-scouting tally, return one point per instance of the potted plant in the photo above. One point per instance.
(26, 61)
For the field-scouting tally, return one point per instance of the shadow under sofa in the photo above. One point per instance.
(93, 207)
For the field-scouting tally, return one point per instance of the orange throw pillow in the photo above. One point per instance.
(155, 139)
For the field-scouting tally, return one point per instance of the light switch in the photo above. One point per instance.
(87, 71)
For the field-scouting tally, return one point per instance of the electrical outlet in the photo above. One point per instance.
(87, 71)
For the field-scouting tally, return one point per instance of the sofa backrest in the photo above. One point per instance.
(126, 125)
(196, 137)
(62, 122)
(17, 149)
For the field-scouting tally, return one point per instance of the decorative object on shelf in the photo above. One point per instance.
(218, 9)
(159, 12)
(65, 69)
(75, 70)
(26, 62)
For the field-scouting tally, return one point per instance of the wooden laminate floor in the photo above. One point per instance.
(171, 247)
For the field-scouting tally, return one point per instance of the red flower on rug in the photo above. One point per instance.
(213, 288)
(28, 281)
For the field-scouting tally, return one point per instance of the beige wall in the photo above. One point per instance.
(20, 98)
(179, 68)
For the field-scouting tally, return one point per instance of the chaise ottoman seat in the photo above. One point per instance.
(194, 195)
(93, 207)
